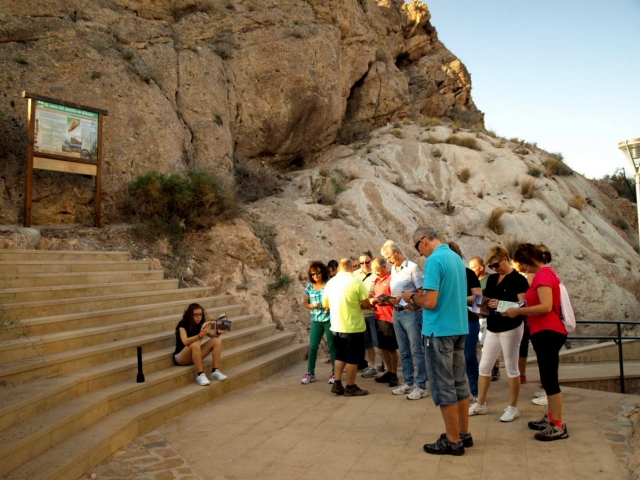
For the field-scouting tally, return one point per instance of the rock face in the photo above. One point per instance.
(195, 83)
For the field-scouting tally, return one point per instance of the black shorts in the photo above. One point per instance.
(349, 347)
(386, 335)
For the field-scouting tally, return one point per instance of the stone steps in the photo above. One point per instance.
(76, 278)
(40, 326)
(72, 322)
(48, 308)
(13, 268)
(37, 294)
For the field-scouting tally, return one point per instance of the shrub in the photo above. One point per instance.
(578, 202)
(430, 139)
(622, 184)
(480, 193)
(542, 215)
(456, 125)
(464, 175)
(429, 122)
(21, 60)
(555, 166)
(512, 243)
(397, 133)
(621, 223)
(491, 133)
(406, 121)
(448, 208)
(534, 172)
(397, 125)
(466, 142)
(528, 188)
(176, 203)
(253, 180)
(521, 151)
(436, 152)
(494, 222)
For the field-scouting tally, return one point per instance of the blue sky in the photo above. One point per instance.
(562, 73)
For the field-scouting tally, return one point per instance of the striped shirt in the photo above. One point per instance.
(408, 278)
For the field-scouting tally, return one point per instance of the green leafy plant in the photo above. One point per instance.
(174, 204)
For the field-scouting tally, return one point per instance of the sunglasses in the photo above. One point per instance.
(366, 263)
(315, 274)
(418, 244)
(493, 266)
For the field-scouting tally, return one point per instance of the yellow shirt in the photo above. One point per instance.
(344, 292)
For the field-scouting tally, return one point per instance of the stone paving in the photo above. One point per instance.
(282, 429)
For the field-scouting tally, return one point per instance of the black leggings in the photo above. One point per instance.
(547, 344)
(524, 343)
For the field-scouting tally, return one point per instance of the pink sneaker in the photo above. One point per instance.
(332, 379)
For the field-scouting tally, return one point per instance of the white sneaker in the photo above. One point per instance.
(218, 375)
(418, 393)
(403, 389)
(539, 394)
(477, 409)
(510, 414)
(542, 401)
(202, 379)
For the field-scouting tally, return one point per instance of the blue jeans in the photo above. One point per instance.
(446, 365)
(471, 357)
(408, 328)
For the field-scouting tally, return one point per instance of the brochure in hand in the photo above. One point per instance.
(480, 305)
(503, 305)
(222, 323)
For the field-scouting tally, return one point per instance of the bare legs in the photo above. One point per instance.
(390, 358)
(456, 419)
(352, 370)
(196, 352)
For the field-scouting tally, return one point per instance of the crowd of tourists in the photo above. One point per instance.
(386, 307)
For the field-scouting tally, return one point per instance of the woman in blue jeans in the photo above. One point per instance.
(471, 342)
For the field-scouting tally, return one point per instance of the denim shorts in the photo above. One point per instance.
(370, 334)
(446, 368)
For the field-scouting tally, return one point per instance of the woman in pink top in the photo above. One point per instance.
(547, 332)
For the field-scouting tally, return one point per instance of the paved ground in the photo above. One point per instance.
(282, 429)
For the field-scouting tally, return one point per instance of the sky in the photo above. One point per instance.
(562, 73)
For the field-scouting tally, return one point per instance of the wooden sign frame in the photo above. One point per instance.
(50, 151)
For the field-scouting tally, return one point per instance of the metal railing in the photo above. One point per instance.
(617, 339)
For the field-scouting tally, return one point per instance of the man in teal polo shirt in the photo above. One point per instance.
(345, 296)
(444, 329)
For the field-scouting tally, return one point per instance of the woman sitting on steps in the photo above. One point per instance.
(189, 332)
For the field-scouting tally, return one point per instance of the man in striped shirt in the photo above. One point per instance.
(406, 276)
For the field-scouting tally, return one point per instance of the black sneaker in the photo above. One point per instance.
(393, 382)
(465, 438)
(552, 432)
(337, 388)
(541, 424)
(363, 365)
(355, 391)
(444, 447)
(384, 378)
(495, 374)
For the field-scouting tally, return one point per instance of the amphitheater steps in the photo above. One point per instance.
(72, 322)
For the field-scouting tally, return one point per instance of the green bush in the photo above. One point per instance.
(175, 203)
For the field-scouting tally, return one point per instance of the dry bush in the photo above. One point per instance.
(466, 142)
(534, 172)
(494, 222)
(456, 125)
(253, 180)
(429, 122)
(436, 153)
(430, 139)
(511, 244)
(406, 121)
(464, 175)
(555, 166)
(521, 151)
(578, 202)
(397, 133)
(480, 193)
(528, 188)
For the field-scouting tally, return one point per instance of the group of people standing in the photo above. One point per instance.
(389, 304)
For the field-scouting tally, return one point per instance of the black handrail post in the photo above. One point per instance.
(140, 378)
(620, 358)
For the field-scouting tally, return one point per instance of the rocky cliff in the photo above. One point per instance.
(197, 83)
(325, 93)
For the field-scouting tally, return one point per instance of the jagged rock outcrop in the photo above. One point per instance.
(193, 83)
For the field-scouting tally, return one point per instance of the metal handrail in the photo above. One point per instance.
(617, 339)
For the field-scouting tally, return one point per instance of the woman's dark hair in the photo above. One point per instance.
(528, 253)
(332, 264)
(187, 316)
(324, 271)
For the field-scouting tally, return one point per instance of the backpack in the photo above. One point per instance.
(566, 310)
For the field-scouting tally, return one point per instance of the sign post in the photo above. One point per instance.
(63, 137)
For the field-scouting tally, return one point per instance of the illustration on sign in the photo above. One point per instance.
(66, 131)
